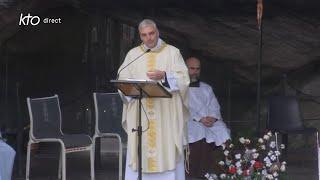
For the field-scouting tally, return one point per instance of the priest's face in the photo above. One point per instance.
(149, 35)
(194, 69)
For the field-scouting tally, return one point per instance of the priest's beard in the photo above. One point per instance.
(194, 79)
(194, 82)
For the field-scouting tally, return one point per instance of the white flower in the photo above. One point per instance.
(223, 146)
(207, 175)
(278, 153)
(238, 164)
(231, 146)
(214, 176)
(282, 146)
(283, 162)
(272, 144)
(266, 137)
(269, 133)
(239, 171)
(228, 162)
(210, 176)
(242, 140)
(275, 174)
(266, 159)
(263, 147)
(226, 152)
(282, 168)
(255, 155)
(223, 176)
(268, 164)
(252, 162)
(247, 141)
(221, 163)
(270, 153)
(273, 157)
(269, 176)
(264, 172)
(237, 156)
(260, 140)
(253, 150)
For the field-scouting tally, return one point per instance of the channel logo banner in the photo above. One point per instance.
(33, 20)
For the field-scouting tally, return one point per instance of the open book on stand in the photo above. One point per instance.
(149, 88)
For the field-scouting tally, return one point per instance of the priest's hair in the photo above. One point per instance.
(146, 23)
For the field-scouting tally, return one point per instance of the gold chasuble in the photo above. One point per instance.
(165, 131)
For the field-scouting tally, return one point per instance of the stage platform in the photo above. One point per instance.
(301, 165)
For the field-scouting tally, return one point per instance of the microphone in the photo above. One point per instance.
(148, 50)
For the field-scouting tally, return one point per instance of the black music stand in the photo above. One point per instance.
(139, 89)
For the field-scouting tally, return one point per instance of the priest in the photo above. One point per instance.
(206, 130)
(163, 119)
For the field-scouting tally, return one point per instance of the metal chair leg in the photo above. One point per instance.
(60, 165)
(92, 156)
(318, 151)
(120, 158)
(28, 161)
(63, 164)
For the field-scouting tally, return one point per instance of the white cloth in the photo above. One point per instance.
(7, 155)
(176, 174)
(202, 103)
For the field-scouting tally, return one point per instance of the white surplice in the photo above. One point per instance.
(202, 103)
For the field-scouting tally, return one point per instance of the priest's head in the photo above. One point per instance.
(194, 68)
(149, 33)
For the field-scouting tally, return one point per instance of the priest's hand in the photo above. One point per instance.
(208, 121)
(156, 75)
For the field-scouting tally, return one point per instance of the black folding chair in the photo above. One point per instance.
(45, 126)
(284, 117)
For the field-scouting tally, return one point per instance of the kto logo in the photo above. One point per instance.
(26, 20)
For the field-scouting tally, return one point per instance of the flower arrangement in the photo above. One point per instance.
(252, 161)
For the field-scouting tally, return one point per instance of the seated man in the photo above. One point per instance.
(206, 129)
(7, 155)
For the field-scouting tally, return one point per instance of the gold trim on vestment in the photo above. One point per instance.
(152, 131)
